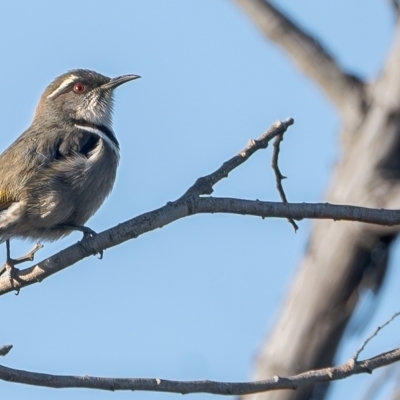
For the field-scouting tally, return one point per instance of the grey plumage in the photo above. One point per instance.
(56, 175)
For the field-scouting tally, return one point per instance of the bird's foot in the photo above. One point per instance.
(88, 233)
(12, 274)
(10, 264)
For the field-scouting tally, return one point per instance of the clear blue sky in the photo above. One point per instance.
(195, 299)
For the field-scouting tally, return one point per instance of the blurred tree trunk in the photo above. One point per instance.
(342, 258)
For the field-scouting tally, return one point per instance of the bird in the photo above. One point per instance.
(59, 171)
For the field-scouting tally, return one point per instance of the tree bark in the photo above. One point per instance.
(341, 258)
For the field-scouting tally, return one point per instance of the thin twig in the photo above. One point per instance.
(205, 184)
(4, 350)
(278, 175)
(350, 368)
(395, 315)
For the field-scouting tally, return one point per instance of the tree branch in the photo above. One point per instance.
(346, 91)
(4, 350)
(185, 207)
(222, 388)
(205, 184)
(192, 203)
(352, 367)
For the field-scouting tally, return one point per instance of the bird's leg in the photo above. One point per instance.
(10, 263)
(10, 266)
(87, 233)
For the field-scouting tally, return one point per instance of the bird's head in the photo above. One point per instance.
(80, 94)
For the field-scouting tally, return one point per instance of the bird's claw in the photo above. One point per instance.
(12, 274)
(89, 233)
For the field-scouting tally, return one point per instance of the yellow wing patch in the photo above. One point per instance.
(6, 199)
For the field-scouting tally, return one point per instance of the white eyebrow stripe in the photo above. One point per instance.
(102, 136)
(64, 84)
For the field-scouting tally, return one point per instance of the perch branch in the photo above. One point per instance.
(192, 203)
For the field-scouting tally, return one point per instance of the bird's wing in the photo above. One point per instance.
(39, 148)
(35, 152)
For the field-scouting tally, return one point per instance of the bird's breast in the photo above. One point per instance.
(100, 169)
(92, 180)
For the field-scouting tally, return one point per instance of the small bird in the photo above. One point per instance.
(57, 174)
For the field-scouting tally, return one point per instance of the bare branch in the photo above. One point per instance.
(268, 209)
(185, 207)
(278, 175)
(355, 357)
(4, 350)
(223, 388)
(345, 90)
(205, 184)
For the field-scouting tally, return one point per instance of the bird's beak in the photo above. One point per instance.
(119, 80)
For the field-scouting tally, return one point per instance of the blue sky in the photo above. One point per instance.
(195, 299)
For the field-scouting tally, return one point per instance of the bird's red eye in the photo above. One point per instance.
(79, 88)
